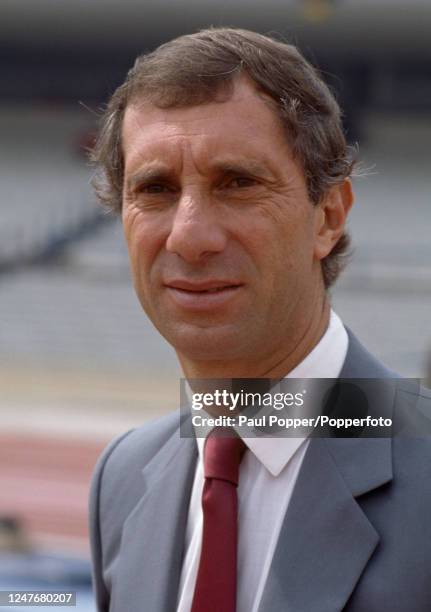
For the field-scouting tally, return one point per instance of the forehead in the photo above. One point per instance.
(245, 124)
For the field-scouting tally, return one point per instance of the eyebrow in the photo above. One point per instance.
(147, 175)
(245, 166)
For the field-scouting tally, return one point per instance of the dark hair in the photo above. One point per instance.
(198, 68)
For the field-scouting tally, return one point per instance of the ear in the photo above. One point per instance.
(331, 216)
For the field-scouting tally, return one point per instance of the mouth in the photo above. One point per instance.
(211, 290)
(202, 296)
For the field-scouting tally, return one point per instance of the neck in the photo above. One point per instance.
(276, 364)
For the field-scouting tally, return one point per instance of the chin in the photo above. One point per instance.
(208, 344)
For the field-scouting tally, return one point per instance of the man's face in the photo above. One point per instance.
(219, 226)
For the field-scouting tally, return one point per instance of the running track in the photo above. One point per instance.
(44, 481)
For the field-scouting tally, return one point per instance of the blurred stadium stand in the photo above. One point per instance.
(80, 362)
(46, 197)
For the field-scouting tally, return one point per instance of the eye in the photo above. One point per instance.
(153, 188)
(241, 182)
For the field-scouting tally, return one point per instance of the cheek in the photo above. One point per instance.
(291, 245)
(142, 238)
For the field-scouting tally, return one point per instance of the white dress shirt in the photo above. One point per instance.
(268, 474)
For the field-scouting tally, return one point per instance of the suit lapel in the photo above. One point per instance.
(326, 540)
(153, 534)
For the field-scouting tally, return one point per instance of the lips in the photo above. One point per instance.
(203, 295)
(202, 286)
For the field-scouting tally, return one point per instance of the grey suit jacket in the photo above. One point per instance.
(356, 536)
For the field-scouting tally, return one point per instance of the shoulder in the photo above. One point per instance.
(360, 363)
(411, 449)
(138, 445)
(412, 410)
(116, 488)
(125, 457)
(117, 481)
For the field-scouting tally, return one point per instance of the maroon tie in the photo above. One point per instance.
(215, 589)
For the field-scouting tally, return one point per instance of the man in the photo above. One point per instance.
(225, 155)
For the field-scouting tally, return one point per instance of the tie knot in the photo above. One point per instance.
(222, 455)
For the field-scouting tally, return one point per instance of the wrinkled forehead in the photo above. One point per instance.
(244, 120)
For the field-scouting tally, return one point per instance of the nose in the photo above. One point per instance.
(196, 230)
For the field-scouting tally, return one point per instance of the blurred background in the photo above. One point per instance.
(79, 361)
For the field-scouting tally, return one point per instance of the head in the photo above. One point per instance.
(225, 155)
